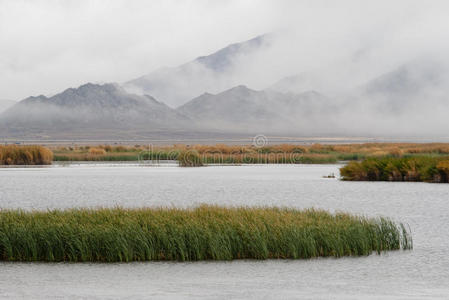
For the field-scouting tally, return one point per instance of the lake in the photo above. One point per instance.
(422, 273)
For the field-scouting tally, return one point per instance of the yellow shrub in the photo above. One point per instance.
(97, 151)
(25, 155)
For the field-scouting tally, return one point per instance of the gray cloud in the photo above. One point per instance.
(48, 46)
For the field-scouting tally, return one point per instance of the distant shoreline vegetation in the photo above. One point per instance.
(211, 154)
(420, 168)
(25, 155)
(202, 233)
(222, 154)
(250, 154)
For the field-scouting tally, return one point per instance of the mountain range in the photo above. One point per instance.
(212, 73)
(241, 109)
(200, 98)
(88, 109)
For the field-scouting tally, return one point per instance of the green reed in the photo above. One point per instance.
(407, 168)
(189, 158)
(202, 233)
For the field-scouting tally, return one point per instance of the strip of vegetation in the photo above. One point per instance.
(90, 157)
(25, 155)
(202, 233)
(189, 158)
(414, 168)
(249, 154)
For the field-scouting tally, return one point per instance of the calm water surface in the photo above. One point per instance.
(422, 273)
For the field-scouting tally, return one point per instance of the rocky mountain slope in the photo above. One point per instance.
(411, 99)
(413, 84)
(241, 109)
(91, 107)
(212, 73)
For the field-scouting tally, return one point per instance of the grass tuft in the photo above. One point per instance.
(251, 154)
(189, 158)
(407, 168)
(202, 233)
(25, 155)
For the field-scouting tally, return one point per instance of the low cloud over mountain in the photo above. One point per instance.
(213, 73)
(206, 99)
(5, 104)
(90, 109)
(241, 109)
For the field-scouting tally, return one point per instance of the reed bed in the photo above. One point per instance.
(414, 168)
(97, 153)
(189, 158)
(268, 158)
(250, 154)
(25, 155)
(206, 155)
(201, 233)
(97, 157)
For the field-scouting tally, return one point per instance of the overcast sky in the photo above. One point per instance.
(47, 46)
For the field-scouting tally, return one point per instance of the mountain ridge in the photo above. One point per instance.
(243, 109)
(292, 105)
(211, 73)
(92, 106)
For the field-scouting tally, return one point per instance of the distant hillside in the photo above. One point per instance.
(92, 107)
(108, 111)
(241, 109)
(409, 100)
(411, 84)
(212, 73)
(298, 83)
(5, 104)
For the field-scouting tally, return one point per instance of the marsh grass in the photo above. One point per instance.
(97, 157)
(407, 168)
(25, 155)
(202, 233)
(268, 158)
(97, 151)
(249, 154)
(189, 158)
